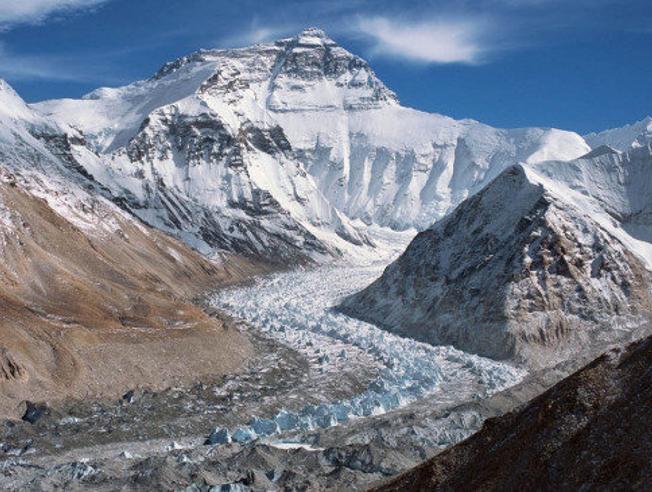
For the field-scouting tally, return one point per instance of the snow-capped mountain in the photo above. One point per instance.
(629, 136)
(548, 261)
(38, 150)
(288, 149)
(81, 279)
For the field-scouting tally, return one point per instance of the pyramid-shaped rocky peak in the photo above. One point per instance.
(308, 71)
(311, 58)
(314, 36)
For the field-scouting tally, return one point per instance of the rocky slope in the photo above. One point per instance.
(548, 261)
(591, 432)
(92, 302)
(287, 150)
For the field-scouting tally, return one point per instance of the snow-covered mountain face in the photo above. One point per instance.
(289, 149)
(37, 151)
(629, 136)
(80, 276)
(548, 261)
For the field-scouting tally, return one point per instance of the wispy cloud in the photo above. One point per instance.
(433, 41)
(256, 34)
(84, 68)
(31, 67)
(14, 12)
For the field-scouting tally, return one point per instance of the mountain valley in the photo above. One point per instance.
(257, 270)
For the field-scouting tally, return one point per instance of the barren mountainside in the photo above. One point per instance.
(590, 431)
(93, 302)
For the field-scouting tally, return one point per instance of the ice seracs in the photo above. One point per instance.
(287, 150)
(295, 308)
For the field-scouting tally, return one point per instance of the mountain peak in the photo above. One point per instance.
(12, 105)
(7, 90)
(313, 36)
(600, 151)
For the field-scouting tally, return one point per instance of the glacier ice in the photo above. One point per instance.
(264, 427)
(244, 434)
(296, 309)
(219, 436)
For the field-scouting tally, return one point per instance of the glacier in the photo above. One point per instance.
(296, 308)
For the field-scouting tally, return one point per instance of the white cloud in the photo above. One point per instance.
(434, 41)
(33, 11)
(57, 67)
(263, 34)
(256, 35)
(29, 67)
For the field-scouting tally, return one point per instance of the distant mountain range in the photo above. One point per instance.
(287, 151)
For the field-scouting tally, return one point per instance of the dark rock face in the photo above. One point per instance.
(200, 138)
(129, 396)
(34, 411)
(260, 227)
(313, 56)
(10, 369)
(171, 66)
(269, 140)
(591, 431)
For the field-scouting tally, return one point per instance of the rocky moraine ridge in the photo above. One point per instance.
(589, 432)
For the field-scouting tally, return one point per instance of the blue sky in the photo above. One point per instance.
(582, 65)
